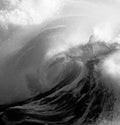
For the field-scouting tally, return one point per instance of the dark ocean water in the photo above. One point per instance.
(74, 100)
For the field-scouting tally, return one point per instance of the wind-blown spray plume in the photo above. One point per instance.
(70, 68)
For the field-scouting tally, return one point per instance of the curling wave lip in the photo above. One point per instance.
(85, 38)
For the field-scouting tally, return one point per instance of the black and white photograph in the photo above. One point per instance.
(59, 62)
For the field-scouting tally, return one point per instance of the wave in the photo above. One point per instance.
(80, 96)
(79, 70)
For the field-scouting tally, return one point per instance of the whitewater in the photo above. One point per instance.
(57, 56)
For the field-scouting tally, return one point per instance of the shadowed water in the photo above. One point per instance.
(79, 97)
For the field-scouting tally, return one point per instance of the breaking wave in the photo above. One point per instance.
(83, 70)
(80, 95)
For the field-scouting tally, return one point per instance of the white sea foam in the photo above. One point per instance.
(27, 12)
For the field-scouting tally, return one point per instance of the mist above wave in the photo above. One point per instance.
(70, 67)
